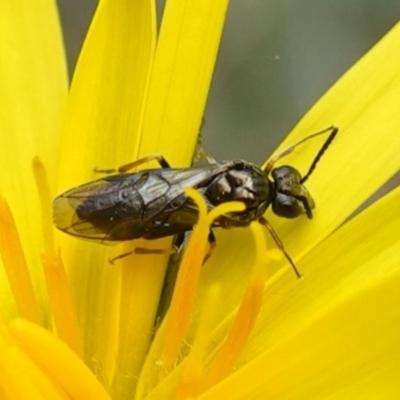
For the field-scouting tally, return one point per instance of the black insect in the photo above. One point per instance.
(152, 204)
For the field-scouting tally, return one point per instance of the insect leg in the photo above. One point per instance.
(278, 242)
(202, 155)
(143, 250)
(127, 167)
(123, 255)
(270, 164)
(213, 243)
(170, 279)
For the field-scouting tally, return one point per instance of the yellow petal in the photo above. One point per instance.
(58, 361)
(332, 334)
(183, 66)
(105, 104)
(20, 377)
(33, 79)
(179, 82)
(363, 104)
(104, 114)
(363, 156)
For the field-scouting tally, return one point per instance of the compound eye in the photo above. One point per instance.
(287, 179)
(287, 206)
(291, 196)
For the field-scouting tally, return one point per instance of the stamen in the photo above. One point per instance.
(245, 319)
(165, 350)
(178, 317)
(60, 300)
(15, 266)
(40, 175)
(58, 360)
(56, 279)
(193, 369)
(231, 207)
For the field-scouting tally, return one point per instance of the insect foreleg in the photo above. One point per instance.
(201, 154)
(127, 167)
(278, 242)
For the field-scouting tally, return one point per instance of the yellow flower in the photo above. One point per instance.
(241, 326)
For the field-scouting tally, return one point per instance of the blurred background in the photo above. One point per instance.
(277, 57)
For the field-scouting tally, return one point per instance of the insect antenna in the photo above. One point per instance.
(270, 164)
(320, 153)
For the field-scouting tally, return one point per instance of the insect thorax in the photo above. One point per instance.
(243, 182)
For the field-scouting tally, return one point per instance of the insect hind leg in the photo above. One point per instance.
(144, 250)
(179, 242)
(212, 241)
(127, 167)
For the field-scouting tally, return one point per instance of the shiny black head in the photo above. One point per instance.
(291, 198)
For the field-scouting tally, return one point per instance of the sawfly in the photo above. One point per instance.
(152, 203)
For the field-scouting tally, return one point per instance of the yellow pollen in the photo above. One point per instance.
(56, 359)
(15, 266)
